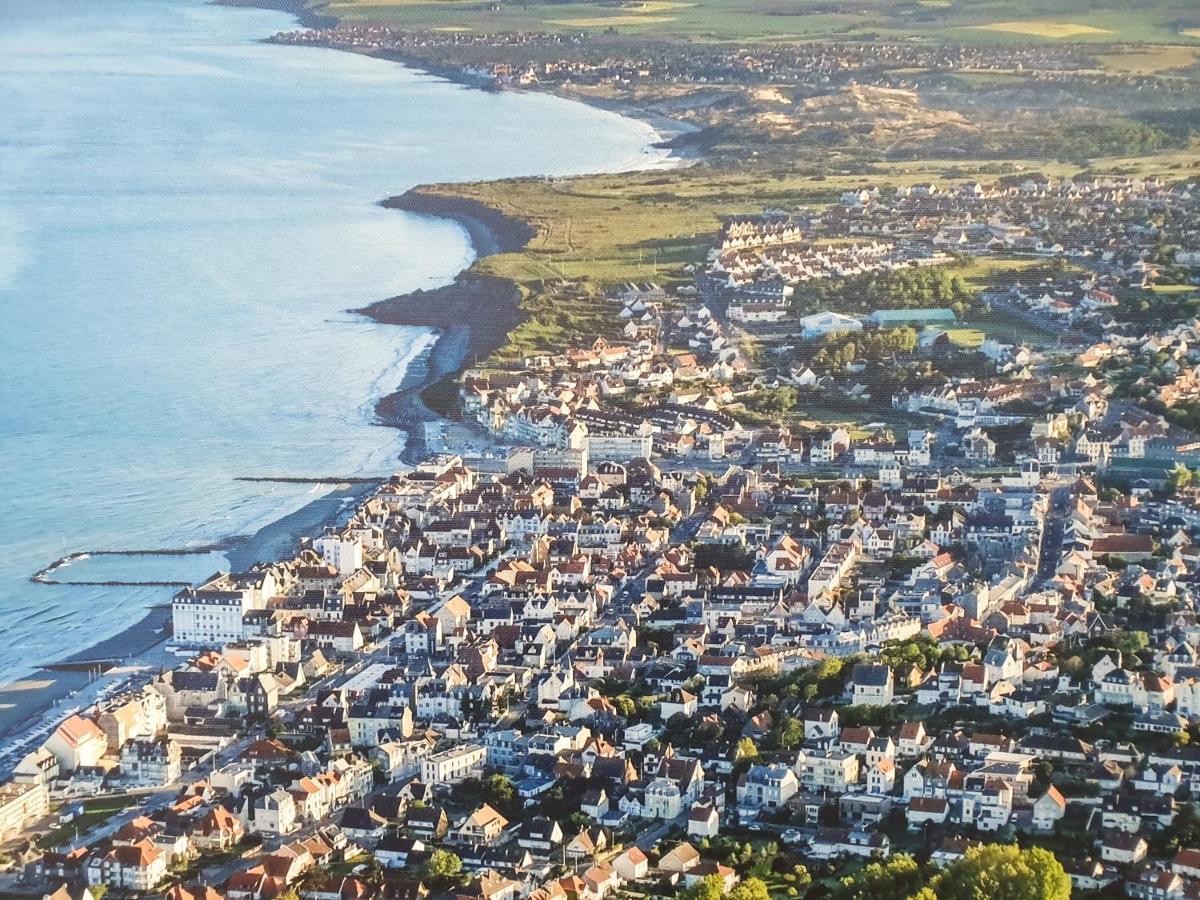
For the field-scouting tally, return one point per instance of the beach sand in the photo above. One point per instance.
(473, 316)
(24, 703)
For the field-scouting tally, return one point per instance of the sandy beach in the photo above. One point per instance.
(472, 316)
(141, 647)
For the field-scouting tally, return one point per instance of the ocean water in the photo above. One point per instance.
(185, 215)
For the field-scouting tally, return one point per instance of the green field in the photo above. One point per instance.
(1008, 329)
(982, 21)
(95, 812)
(598, 231)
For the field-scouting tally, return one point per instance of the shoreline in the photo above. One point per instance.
(454, 311)
(26, 701)
(298, 9)
(684, 140)
(472, 297)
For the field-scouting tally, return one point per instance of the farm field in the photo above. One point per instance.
(1158, 21)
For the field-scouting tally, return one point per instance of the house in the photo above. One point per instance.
(539, 835)
(922, 810)
(678, 703)
(20, 805)
(767, 787)
(1123, 848)
(832, 771)
(820, 724)
(1048, 810)
(871, 684)
(679, 859)
(272, 813)
(427, 822)
(129, 867)
(77, 743)
(1186, 862)
(704, 821)
(394, 851)
(362, 824)
(150, 763)
(912, 740)
(631, 865)
(217, 830)
(453, 765)
(484, 826)
(599, 880)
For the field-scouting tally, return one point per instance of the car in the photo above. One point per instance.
(792, 836)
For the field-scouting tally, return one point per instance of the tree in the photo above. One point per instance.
(625, 706)
(1004, 872)
(750, 889)
(710, 887)
(776, 402)
(803, 876)
(1178, 478)
(746, 750)
(896, 879)
(443, 866)
(791, 733)
(499, 790)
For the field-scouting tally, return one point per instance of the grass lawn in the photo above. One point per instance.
(95, 812)
(986, 271)
(1008, 329)
(965, 337)
(1156, 59)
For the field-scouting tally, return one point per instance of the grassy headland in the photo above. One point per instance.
(786, 106)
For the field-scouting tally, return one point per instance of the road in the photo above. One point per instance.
(1053, 532)
(652, 835)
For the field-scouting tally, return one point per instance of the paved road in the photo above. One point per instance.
(1053, 532)
(651, 836)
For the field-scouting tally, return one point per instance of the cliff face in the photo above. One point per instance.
(489, 307)
(486, 306)
(491, 230)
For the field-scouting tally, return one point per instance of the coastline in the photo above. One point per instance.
(298, 9)
(472, 317)
(26, 702)
(685, 141)
(455, 311)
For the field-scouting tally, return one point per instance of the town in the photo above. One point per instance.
(665, 632)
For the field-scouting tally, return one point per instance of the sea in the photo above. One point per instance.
(186, 216)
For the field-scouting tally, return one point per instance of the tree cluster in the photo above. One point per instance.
(869, 346)
(929, 288)
(992, 871)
